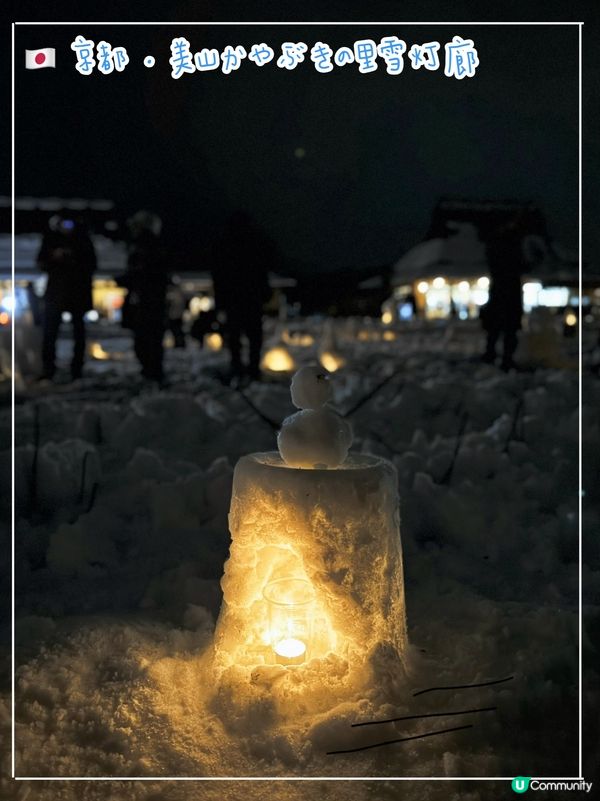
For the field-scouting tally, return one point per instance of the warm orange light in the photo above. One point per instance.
(298, 338)
(4, 318)
(98, 352)
(290, 648)
(290, 603)
(213, 341)
(278, 360)
(331, 361)
(201, 304)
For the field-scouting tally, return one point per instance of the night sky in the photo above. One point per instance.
(342, 169)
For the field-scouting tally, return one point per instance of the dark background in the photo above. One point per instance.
(379, 149)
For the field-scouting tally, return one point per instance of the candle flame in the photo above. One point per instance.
(290, 648)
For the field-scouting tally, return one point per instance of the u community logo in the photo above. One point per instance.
(521, 784)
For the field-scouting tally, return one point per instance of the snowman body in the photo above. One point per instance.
(314, 437)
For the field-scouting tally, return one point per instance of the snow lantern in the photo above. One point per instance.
(278, 360)
(213, 341)
(297, 338)
(329, 355)
(331, 360)
(96, 351)
(313, 591)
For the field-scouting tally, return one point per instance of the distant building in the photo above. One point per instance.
(447, 273)
(108, 232)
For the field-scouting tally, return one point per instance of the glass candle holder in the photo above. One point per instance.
(290, 603)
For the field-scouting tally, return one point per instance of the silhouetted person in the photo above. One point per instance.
(146, 281)
(36, 305)
(176, 306)
(504, 309)
(67, 255)
(242, 258)
(205, 323)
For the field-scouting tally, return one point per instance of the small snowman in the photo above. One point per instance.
(314, 437)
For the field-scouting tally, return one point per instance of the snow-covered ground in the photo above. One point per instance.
(122, 495)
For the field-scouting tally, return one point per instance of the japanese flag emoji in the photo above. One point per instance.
(36, 59)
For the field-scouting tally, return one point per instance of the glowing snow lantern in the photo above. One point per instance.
(298, 338)
(313, 591)
(304, 340)
(387, 318)
(331, 361)
(278, 360)
(213, 341)
(98, 352)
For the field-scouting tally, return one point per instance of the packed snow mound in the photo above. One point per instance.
(174, 424)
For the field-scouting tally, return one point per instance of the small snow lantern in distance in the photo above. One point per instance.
(331, 361)
(278, 360)
(213, 341)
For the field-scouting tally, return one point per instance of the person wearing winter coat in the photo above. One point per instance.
(146, 280)
(242, 258)
(67, 255)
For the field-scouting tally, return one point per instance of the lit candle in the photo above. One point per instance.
(290, 608)
(290, 651)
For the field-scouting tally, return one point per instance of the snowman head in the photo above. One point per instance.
(311, 388)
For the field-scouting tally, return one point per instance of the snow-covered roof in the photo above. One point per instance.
(56, 203)
(111, 255)
(459, 255)
(463, 254)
